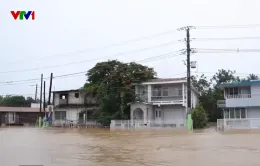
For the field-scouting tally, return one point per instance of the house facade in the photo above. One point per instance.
(159, 103)
(241, 104)
(72, 106)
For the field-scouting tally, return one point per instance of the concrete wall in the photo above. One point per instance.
(70, 100)
(73, 100)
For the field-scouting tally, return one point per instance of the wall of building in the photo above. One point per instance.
(171, 112)
(254, 112)
(71, 113)
(73, 100)
(147, 110)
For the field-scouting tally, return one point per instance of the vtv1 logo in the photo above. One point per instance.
(23, 14)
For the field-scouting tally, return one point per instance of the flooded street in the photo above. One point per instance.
(100, 147)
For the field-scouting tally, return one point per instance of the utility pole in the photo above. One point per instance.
(36, 89)
(44, 96)
(188, 51)
(41, 95)
(49, 99)
(188, 70)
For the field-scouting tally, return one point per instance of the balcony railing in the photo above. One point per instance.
(165, 93)
(238, 96)
(141, 97)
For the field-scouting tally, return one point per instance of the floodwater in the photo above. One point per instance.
(99, 147)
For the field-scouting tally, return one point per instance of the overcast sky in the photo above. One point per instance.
(66, 31)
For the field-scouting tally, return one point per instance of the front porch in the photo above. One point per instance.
(145, 115)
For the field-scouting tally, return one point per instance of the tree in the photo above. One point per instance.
(252, 77)
(199, 117)
(111, 83)
(200, 83)
(224, 76)
(16, 101)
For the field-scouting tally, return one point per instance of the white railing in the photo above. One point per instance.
(74, 122)
(238, 96)
(128, 124)
(248, 123)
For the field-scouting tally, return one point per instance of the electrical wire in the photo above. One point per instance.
(228, 26)
(95, 48)
(33, 80)
(89, 60)
(231, 38)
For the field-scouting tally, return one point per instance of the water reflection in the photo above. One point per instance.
(101, 147)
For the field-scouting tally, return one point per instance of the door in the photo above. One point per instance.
(158, 115)
(11, 117)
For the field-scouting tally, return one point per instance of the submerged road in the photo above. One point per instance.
(100, 147)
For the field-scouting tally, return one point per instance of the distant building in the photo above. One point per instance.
(159, 103)
(19, 115)
(73, 106)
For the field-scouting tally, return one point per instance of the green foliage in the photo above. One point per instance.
(199, 117)
(111, 83)
(16, 101)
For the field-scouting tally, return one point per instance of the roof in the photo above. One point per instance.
(66, 91)
(243, 83)
(166, 80)
(18, 109)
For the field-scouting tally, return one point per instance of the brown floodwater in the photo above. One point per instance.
(100, 147)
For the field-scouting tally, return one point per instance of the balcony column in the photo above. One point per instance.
(149, 94)
(183, 92)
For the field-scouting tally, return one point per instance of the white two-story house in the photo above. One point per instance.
(72, 106)
(241, 107)
(160, 103)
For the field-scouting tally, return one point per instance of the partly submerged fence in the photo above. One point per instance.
(134, 124)
(249, 123)
(80, 122)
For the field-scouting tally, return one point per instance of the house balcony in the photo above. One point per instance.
(162, 98)
(242, 100)
(221, 103)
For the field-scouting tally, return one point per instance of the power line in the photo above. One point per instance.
(228, 26)
(97, 48)
(213, 50)
(33, 80)
(231, 38)
(89, 60)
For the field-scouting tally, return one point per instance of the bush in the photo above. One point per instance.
(199, 117)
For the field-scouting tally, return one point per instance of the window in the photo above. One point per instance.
(160, 114)
(243, 113)
(232, 113)
(226, 114)
(156, 114)
(76, 95)
(60, 115)
(180, 92)
(165, 91)
(63, 96)
(235, 113)
(235, 91)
